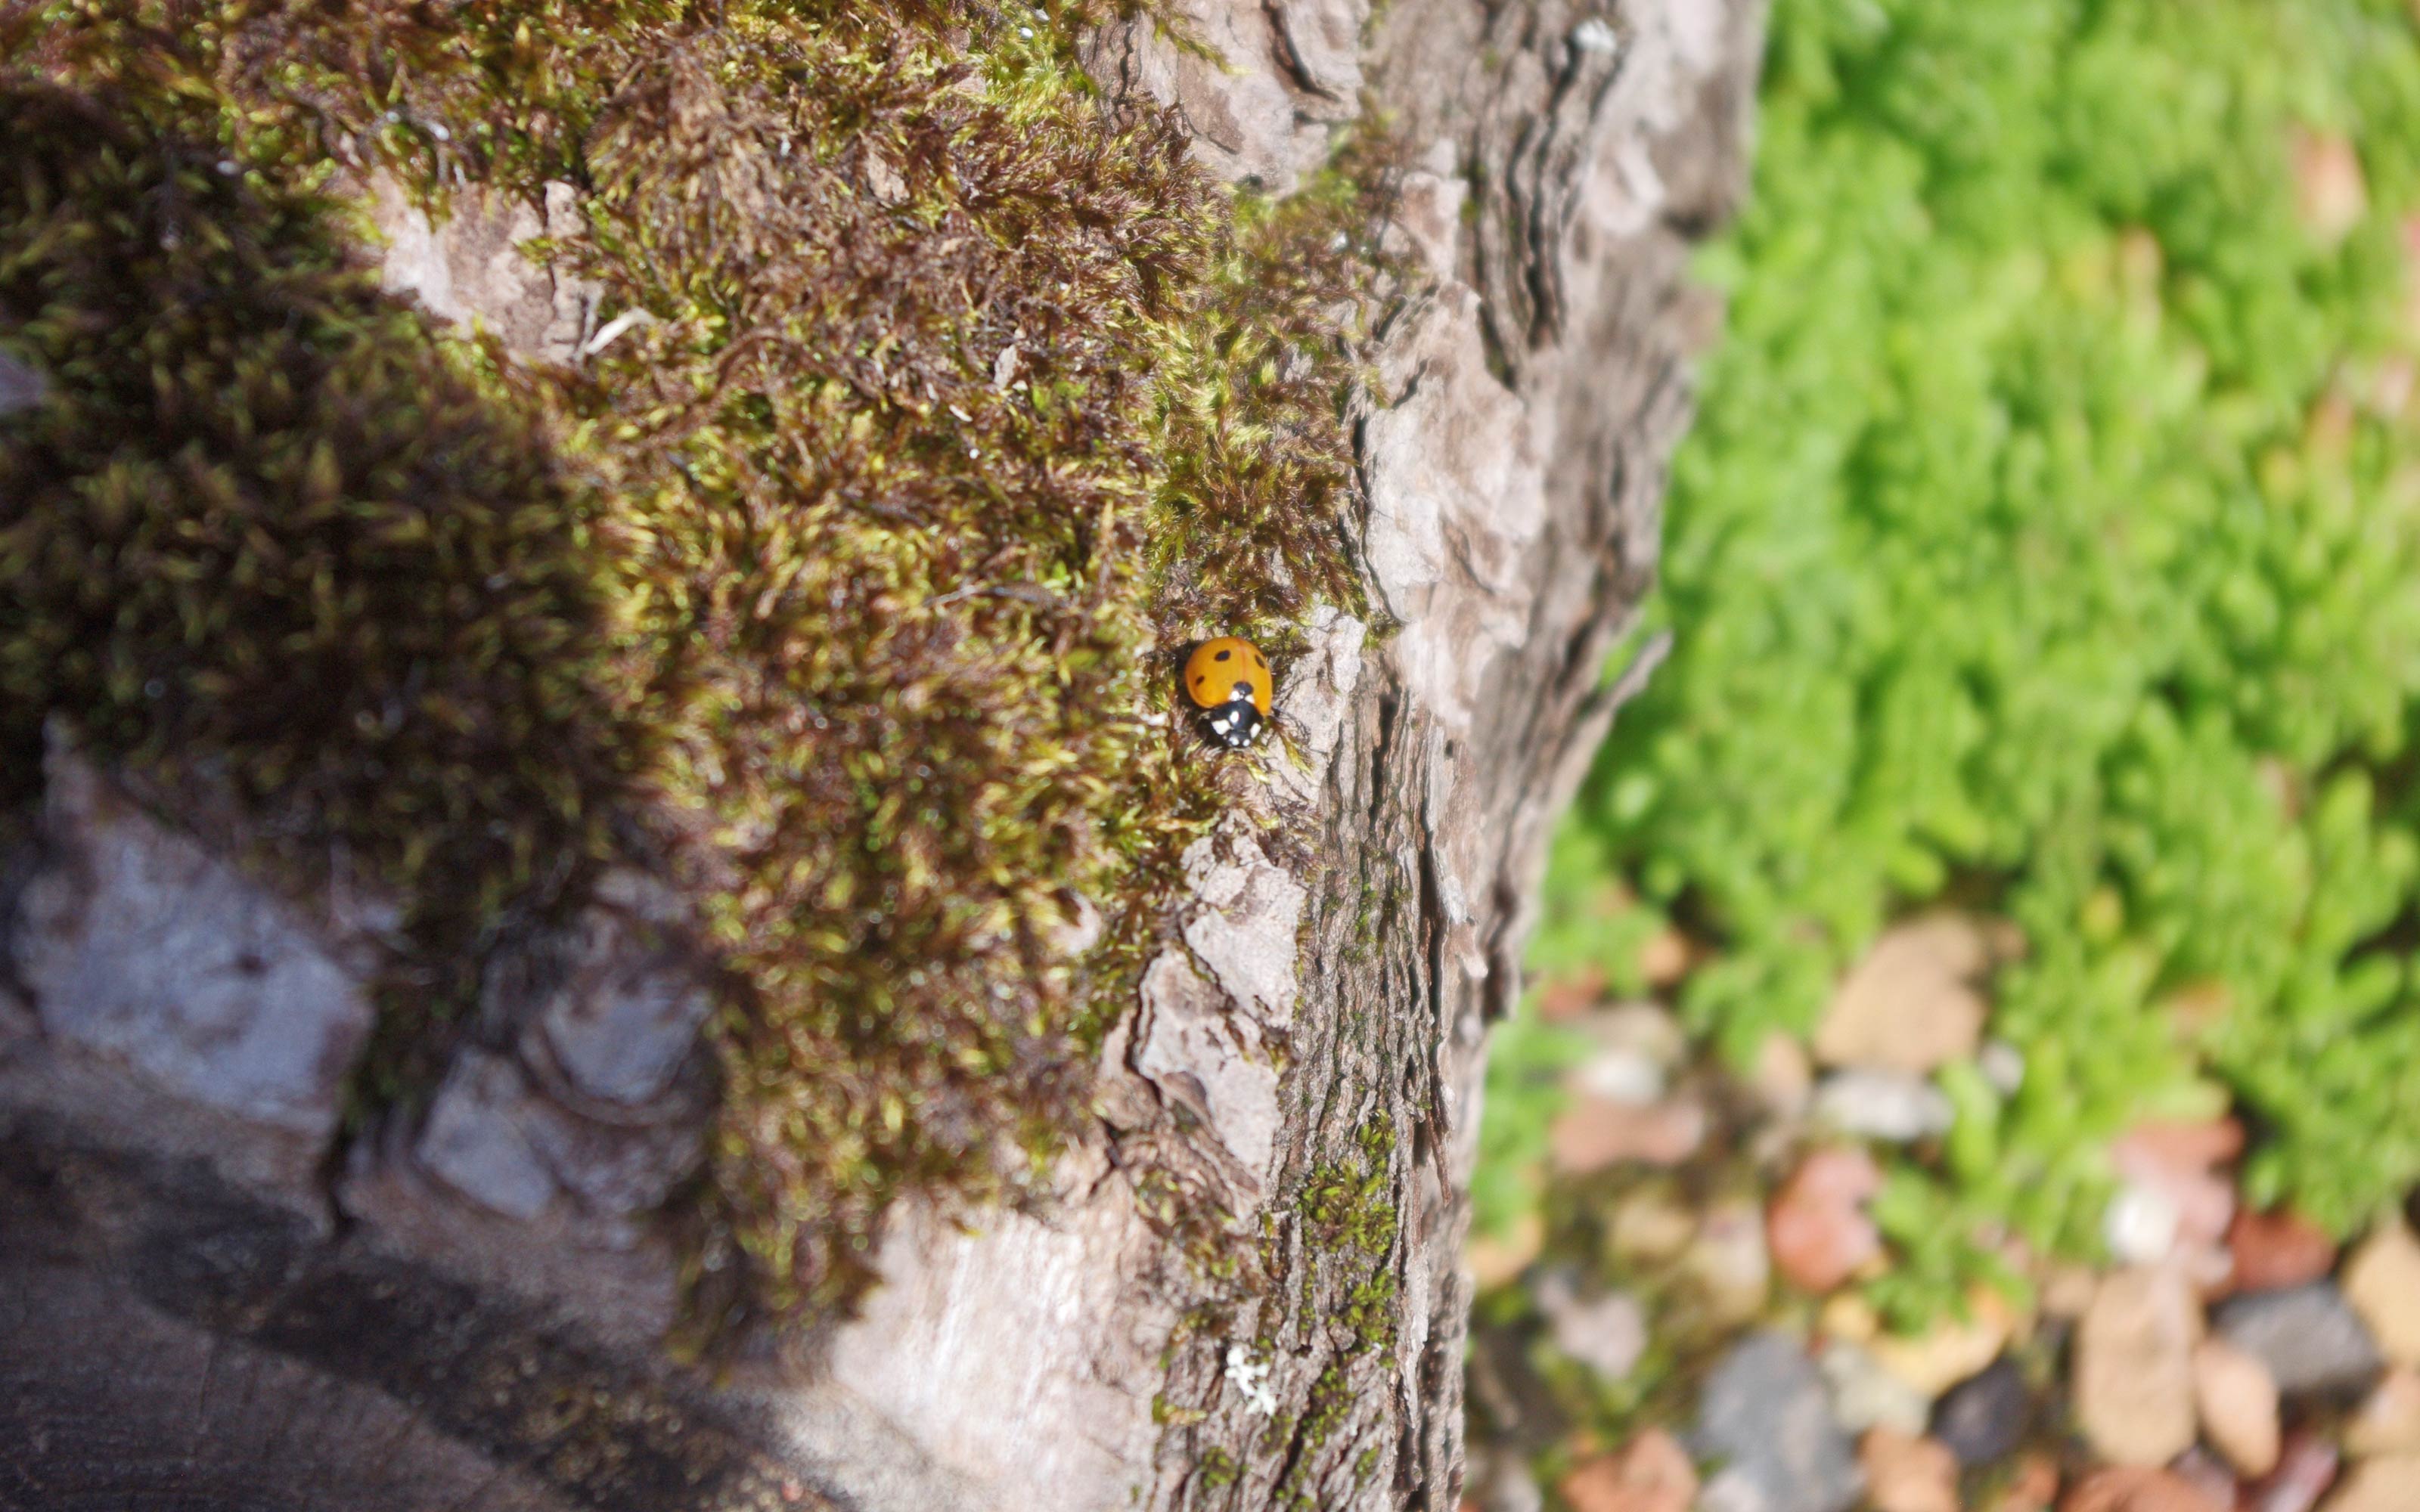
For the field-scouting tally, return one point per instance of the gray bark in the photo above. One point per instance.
(211, 1295)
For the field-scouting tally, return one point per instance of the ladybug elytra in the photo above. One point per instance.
(1227, 680)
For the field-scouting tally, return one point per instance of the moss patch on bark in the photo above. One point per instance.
(840, 589)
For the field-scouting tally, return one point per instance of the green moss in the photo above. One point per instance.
(1216, 1469)
(1350, 1224)
(1345, 1204)
(1330, 1403)
(1164, 1413)
(804, 594)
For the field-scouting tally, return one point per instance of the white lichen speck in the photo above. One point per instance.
(1251, 1376)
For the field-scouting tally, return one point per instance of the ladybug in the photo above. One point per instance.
(1227, 680)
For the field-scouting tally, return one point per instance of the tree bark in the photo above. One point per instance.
(212, 1295)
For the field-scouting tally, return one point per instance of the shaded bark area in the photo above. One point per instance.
(1245, 1290)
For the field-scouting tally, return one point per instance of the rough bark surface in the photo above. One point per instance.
(211, 1296)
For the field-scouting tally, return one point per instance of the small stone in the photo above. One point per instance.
(1606, 1333)
(1816, 1225)
(1649, 1473)
(1983, 1418)
(1502, 1482)
(2306, 1337)
(2331, 194)
(2033, 1488)
(1566, 996)
(2277, 1249)
(1954, 1348)
(1908, 1475)
(2134, 1488)
(1649, 1225)
(1848, 1317)
(1911, 1004)
(1595, 1134)
(2238, 1403)
(2134, 1366)
(1732, 1489)
(2390, 1482)
(2207, 1473)
(1644, 1031)
(2173, 1164)
(2303, 1474)
(1496, 1260)
(1765, 1415)
(1618, 1076)
(1866, 1395)
(2067, 1290)
(1783, 1078)
(2383, 1283)
(2140, 1226)
(2003, 1065)
(1897, 1107)
(1666, 958)
(2388, 1421)
(1729, 1261)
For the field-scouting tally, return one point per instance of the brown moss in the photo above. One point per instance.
(833, 588)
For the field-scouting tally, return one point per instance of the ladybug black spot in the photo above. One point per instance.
(1222, 656)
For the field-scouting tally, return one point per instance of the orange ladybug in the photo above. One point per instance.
(1227, 680)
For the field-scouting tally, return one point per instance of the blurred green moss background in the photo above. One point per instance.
(2046, 546)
